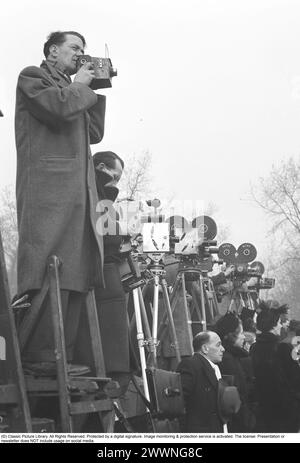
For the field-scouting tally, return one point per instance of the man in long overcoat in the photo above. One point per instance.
(56, 120)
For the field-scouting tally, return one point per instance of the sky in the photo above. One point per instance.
(210, 88)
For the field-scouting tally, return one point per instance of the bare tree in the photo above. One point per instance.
(8, 223)
(137, 177)
(9, 232)
(279, 196)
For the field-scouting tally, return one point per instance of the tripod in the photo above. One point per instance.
(240, 300)
(191, 277)
(147, 337)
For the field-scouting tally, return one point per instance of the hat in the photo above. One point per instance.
(229, 401)
(229, 323)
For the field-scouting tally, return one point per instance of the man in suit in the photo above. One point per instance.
(56, 120)
(199, 376)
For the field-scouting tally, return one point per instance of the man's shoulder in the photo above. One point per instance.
(196, 361)
(33, 71)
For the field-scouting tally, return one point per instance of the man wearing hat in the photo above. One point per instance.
(208, 400)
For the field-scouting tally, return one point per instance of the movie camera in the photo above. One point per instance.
(245, 269)
(241, 259)
(195, 244)
(195, 239)
(103, 69)
(266, 283)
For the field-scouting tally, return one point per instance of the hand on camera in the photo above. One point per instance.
(85, 74)
(229, 270)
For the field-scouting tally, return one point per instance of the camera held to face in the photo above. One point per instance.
(104, 71)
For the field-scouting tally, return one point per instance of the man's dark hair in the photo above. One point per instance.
(108, 158)
(267, 319)
(58, 38)
(200, 339)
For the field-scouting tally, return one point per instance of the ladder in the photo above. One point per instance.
(78, 395)
(14, 407)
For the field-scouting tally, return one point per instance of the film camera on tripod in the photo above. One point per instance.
(246, 269)
(194, 242)
(241, 259)
(258, 282)
(194, 250)
(247, 275)
(162, 388)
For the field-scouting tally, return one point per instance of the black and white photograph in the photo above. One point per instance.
(150, 224)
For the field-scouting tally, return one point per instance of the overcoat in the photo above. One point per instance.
(276, 388)
(55, 123)
(200, 390)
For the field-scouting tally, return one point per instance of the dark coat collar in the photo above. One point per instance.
(268, 338)
(60, 77)
(208, 369)
(236, 351)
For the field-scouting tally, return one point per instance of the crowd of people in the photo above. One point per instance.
(263, 363)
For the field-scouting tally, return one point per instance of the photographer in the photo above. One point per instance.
(111, 302)
(55, 122)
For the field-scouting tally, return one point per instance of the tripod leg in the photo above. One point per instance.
(202, 299)
(187, 312)
(144, 314)
(59, 340)
(155, 316)
(215, 307)
(196, 293)
(173, 301)
(230, 308)
(171, 320)
(208, 302)
(140, 338)
(146, 326)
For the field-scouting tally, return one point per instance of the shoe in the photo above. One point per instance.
(49, 369)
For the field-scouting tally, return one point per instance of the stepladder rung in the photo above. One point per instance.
(92, 406)
(96, 379)
(40, 385)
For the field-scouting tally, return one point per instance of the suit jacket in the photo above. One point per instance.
(55, 122)
(200, 389)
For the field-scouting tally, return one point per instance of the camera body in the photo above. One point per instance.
(264, 283)
(103, 68)
(244, 271)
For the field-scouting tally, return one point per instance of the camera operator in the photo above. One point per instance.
(111, 302)
(55, 122)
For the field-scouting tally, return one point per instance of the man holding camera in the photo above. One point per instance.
(56, 120)
(111, 302)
